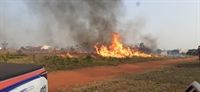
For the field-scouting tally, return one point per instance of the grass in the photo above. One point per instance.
(174, 78)
(53, 63)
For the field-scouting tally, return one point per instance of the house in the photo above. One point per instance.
(183, 51)
(163, 53)
(45, 47)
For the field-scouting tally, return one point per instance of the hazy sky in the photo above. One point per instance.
(175, 23)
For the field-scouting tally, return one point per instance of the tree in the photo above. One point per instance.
(4, 44)
(19, 51)
(159, 51)
(192, 52)
(72, 48)
(22, 48)
(143, 48)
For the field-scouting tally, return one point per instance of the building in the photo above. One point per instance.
(183, 51)
(163, 53)
(45, 47)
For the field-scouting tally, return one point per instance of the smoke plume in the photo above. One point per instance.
(60, 23)
(87, 21)
(150, 41)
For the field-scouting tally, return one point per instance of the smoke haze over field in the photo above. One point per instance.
(83, 20)
(65, 22)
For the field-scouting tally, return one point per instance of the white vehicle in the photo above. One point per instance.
(193, 87)
(23, 78)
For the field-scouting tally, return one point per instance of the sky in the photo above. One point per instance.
(175, 23)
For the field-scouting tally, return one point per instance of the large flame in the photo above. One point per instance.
(117, 50)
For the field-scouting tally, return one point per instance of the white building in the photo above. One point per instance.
(0, 48)
(163, 53)
(45, 47)
(183, 51)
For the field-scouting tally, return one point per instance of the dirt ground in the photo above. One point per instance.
(88, 75)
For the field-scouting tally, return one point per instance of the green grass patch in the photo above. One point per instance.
(54, 63)
(174, 78)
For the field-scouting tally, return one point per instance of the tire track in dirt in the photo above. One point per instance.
(87, 75)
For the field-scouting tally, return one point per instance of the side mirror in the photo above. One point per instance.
(193, 87)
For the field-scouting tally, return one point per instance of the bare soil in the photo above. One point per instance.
(87, 75)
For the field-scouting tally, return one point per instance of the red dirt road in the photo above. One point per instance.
(69, 78)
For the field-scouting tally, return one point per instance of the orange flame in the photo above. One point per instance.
(69, 55)
(65, 55)
(117, 50)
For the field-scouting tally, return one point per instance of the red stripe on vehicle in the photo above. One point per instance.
(9, 82)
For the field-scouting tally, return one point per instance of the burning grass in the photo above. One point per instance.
(174, 78)
(65, 55)
(114, 54)
(56, 63)
(116, 49)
